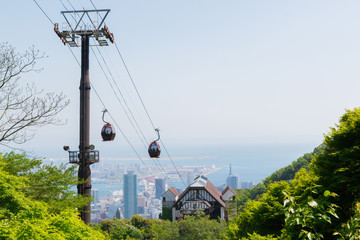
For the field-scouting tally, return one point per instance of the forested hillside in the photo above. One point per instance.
(316, 197)
(288, 173)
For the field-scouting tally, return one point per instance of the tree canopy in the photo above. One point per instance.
(27, 196)
(22, 106)
(338, 167)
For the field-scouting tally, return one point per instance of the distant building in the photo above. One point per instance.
(119, 214)
(95, 194)
(228, 195)
(232, 180)
(200, 195)
(247, 185)
(141, 201)
(141, 209)
(168, 200)
(113, 211)
(159, 187)
(130, 194)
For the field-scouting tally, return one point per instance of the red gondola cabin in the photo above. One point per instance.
(108, 132)
(154, 150)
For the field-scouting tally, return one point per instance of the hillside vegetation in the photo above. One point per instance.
(316, 197)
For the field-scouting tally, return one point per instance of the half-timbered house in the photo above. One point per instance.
(200, 195)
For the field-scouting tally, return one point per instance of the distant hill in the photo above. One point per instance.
(288, 173)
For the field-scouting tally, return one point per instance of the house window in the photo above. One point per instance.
(164, 199)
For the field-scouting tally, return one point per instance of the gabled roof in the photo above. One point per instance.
(183, 193)
(199, 181)
(214, 192)
(202, 182)
(228, 188)
(173, 191)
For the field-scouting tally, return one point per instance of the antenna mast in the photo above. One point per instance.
(79, 27)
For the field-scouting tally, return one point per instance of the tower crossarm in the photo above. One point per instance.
(84, 22)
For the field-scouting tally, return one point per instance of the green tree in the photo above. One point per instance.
(256, 236)
(201, 227)
(125, 231)
(120, 229)
(12, 198)
(139, 222)
(47, 183)
(161, 230)
(310, 218)
(263, 216)
(351, 229)
(301, 187)
(24, 218)
(338, 167)
(244, 195)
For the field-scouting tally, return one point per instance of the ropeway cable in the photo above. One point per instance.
(128, 141)
(143, 104)
(147, 113)
(118, 100)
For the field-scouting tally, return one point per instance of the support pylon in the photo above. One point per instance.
(86, 154)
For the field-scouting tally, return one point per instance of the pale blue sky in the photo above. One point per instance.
(232, 72)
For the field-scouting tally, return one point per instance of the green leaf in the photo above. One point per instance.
(313, 204)
(310, 235)
(286, 201)
(327, 193)
(315, 190)
(326, 218)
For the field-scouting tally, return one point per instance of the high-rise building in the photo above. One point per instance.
(232, 180)
(130, 194)
(159, 187)
(247, 185)
(95, 194)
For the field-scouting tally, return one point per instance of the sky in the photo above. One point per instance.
(209, 72)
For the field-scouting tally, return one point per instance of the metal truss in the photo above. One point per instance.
(84, 22)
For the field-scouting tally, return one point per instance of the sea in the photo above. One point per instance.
(252, 163)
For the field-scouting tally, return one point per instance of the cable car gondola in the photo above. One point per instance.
(154, 148)
(107, 131)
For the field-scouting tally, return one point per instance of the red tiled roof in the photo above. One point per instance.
(226, 189)
(174, 191)
(214, 192)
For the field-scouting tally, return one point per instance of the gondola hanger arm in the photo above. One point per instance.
(104, 111)
(158, 133)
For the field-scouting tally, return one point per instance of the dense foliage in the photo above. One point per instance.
(338, 167)
(28, 193)
(191, 227)
(320, 198)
